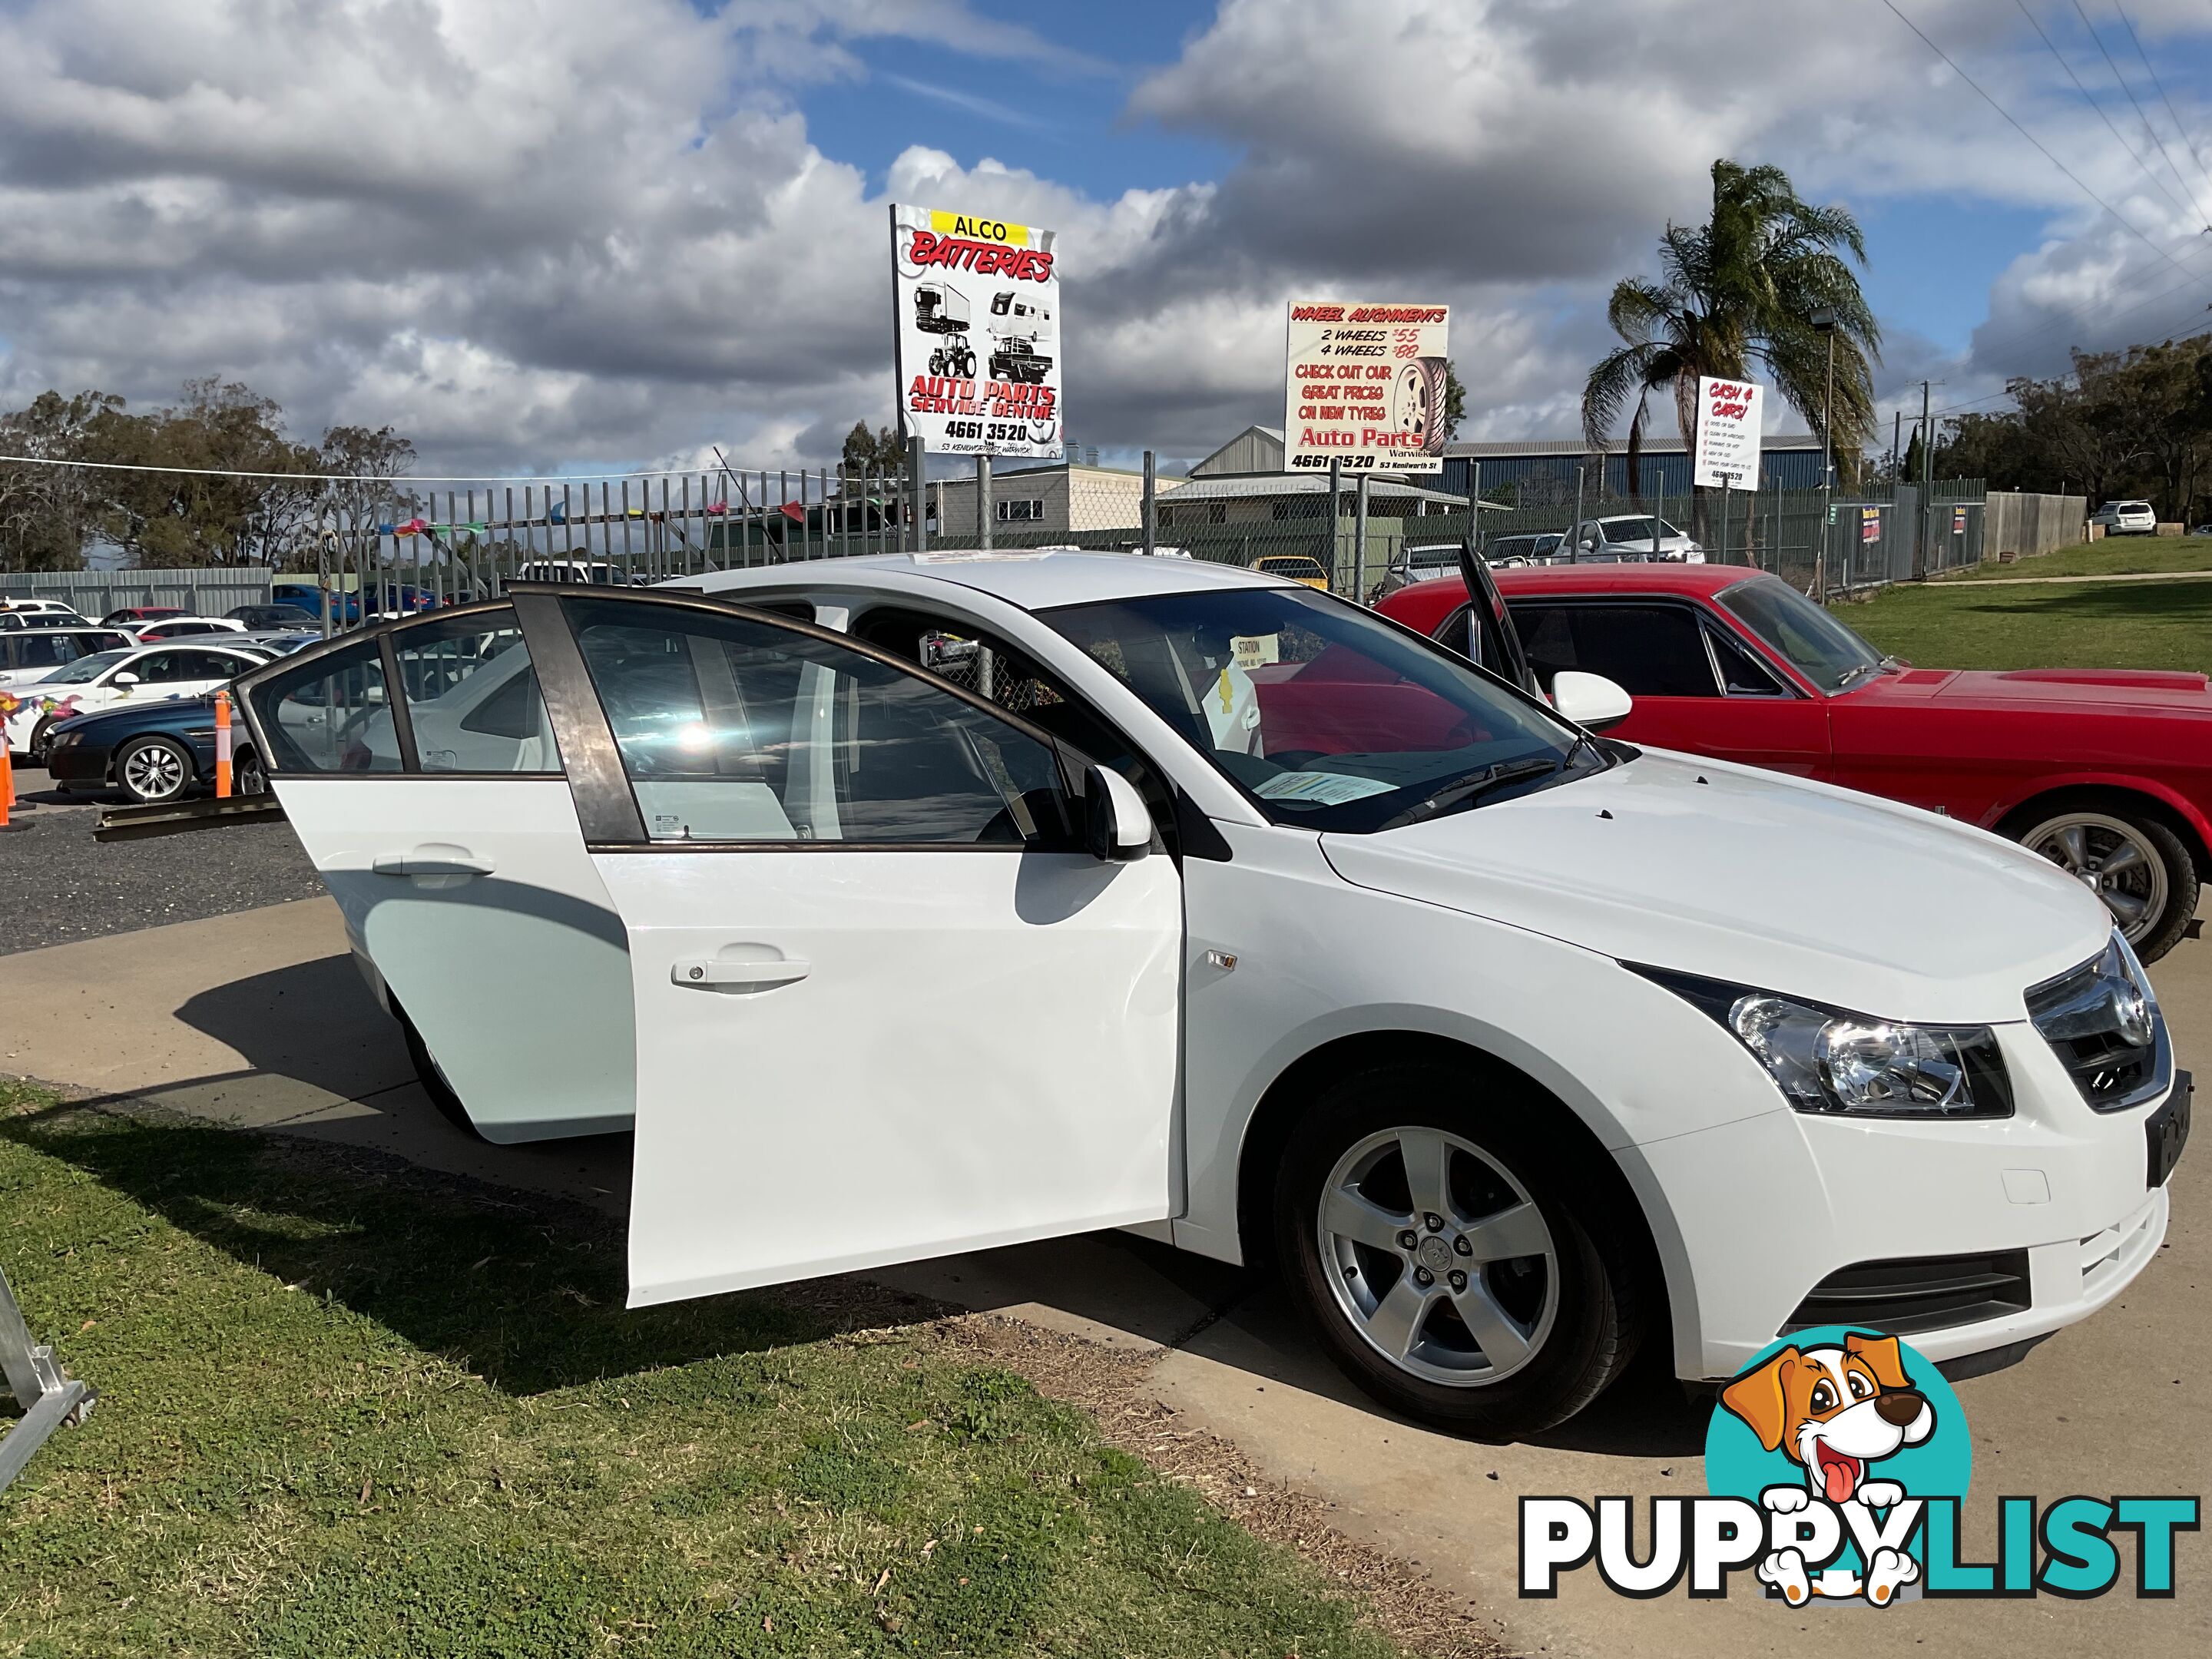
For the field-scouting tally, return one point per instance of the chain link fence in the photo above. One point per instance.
(379, 549)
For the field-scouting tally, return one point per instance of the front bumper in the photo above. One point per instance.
(80, 765)
(1765, 1210)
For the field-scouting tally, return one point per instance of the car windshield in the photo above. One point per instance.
(1635, 530)
(85, 668)
(1325, 717)
(1811, 641)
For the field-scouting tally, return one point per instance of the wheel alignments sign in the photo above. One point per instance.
(977, 337)
(1365, 386)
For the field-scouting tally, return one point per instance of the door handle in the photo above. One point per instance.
(707, 973)
(433, 861)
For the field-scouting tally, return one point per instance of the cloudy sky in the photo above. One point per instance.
(566, 233)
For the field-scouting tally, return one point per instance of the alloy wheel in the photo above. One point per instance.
(2113, 859)
(154, 772)
(1438, 1256)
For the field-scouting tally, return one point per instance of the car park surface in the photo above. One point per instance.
(2106, 772)
(696, 862)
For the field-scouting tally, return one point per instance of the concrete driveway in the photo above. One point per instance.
(258, 1017)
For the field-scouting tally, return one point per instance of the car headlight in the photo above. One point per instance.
(1824, 1060)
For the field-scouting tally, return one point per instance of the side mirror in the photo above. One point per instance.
(1590, 701)
(1117, 826)
(125, 680)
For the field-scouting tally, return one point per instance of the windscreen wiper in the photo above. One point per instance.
(1471, 786)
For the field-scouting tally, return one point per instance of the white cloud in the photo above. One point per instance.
(529, 231)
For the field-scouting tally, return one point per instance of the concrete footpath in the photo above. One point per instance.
(258, 1018)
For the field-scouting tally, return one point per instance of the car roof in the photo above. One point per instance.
(1701, 580)
(1035, 579)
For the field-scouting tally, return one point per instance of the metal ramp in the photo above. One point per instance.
(49, 1396)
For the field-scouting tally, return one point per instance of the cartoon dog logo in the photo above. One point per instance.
(1835, 1412)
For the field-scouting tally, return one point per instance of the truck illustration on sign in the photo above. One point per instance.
(1018, 349)
(941, 309)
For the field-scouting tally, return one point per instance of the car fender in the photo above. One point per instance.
(2128, 782)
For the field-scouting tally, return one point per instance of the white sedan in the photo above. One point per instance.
(143, 673)
(915, 904)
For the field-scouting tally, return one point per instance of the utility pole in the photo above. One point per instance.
(984, 501)
(1335, 496)
(1896, 433)
(1824, 318)
(1151, 507)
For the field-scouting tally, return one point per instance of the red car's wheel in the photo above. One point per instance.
(2130, 859)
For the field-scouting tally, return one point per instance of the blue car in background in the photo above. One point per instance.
(345, 608)
(151, 752)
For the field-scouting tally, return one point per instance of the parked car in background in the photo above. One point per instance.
(34, 653)
(1302, 567)
(151, 752)
(136, 616)
(278, 641)
(143, 673)
(17, 613)
(306, 595)
(1631, 538)
(1419, 564)
(181, 626)
(1192, 901)
(2126, 518)
(1508, 552)
(2107, 773)
(283, 617)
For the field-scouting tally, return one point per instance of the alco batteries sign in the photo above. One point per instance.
(978, 332)
(1365, 386)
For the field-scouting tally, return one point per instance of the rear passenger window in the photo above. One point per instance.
(472, 696)
(330, 715)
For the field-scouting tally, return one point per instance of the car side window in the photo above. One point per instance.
(1648, 650)
(978, 661)
(734, 730)
(1742, 674)
(162, 668)
(332, 714)
(472, 696)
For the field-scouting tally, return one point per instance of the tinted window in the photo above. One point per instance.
(736, 729)
(164, 667)
(1648, 650)
(38, 649)
(472, 695)
(329, 714)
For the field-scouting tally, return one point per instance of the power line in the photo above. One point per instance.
(2188, 142)
(2125, 223)
(1975, 403)
(2118, 138)
(2130, 92)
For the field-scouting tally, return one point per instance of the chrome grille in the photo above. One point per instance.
(2103, 1021)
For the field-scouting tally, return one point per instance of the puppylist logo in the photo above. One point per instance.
(1839, 1462)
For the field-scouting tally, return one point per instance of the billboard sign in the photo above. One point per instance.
(1366, 387)
(1727, 433)
(977, 333)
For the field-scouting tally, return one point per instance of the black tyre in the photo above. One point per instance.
(2128, 856)
(42, 740)
(247, 778)
(1450, 1257)
(433, 1080)
(154, 769)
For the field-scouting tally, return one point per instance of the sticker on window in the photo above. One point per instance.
(1250, 651)
(1321, 788)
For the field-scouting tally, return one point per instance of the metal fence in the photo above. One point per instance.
(378, 550)
(202, 591)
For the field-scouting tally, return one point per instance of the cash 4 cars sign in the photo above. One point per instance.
(978, 332)
(1727, 433)
(1366, 387)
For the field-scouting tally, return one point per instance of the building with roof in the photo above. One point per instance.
(1541, 470)
(1059, 498)
(1274, 497)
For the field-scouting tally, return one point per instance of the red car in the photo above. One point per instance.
(2106, 772)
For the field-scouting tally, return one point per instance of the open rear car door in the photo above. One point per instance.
(901, 985)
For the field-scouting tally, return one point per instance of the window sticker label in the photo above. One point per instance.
(1322, 789)
(1250, 651)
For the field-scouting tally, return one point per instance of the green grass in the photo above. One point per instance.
(2111, 625)
(2117, 556)
(349, 1408)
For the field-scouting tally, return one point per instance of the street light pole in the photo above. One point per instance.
(1824, 318)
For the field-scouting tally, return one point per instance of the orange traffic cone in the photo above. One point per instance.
(7, 779)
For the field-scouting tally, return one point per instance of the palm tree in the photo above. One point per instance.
(1740, 299)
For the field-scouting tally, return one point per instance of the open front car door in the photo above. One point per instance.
(894, 995)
